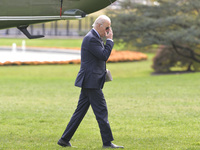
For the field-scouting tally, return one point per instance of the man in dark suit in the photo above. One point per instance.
(91, 78)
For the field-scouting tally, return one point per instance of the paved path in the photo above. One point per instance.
(37, 54)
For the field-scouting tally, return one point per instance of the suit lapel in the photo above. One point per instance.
(97, 37)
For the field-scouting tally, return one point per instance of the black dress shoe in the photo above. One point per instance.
(64, 144)
(113, 146)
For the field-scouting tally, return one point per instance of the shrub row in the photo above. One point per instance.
(116, 56)
(125, 56)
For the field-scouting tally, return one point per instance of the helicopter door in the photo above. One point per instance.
(13, 8)
(45, 7)
(2, 8)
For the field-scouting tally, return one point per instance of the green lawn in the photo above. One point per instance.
(44, 42)
(145, 112)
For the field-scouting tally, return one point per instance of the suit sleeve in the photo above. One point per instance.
(100, 51)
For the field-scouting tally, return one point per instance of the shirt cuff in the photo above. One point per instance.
(110, 39)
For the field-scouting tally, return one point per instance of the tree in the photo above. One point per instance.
(175, 24)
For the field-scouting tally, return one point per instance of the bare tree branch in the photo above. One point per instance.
(191, 52)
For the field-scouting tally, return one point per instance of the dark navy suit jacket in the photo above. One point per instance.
(94, 55)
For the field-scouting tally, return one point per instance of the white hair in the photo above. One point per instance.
(101, 19)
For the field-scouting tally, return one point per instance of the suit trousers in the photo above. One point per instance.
(95, 98)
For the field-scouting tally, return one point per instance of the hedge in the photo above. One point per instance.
(116, 56)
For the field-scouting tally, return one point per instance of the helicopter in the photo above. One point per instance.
(22, 13)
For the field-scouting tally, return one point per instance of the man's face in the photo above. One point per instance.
(103, 28)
